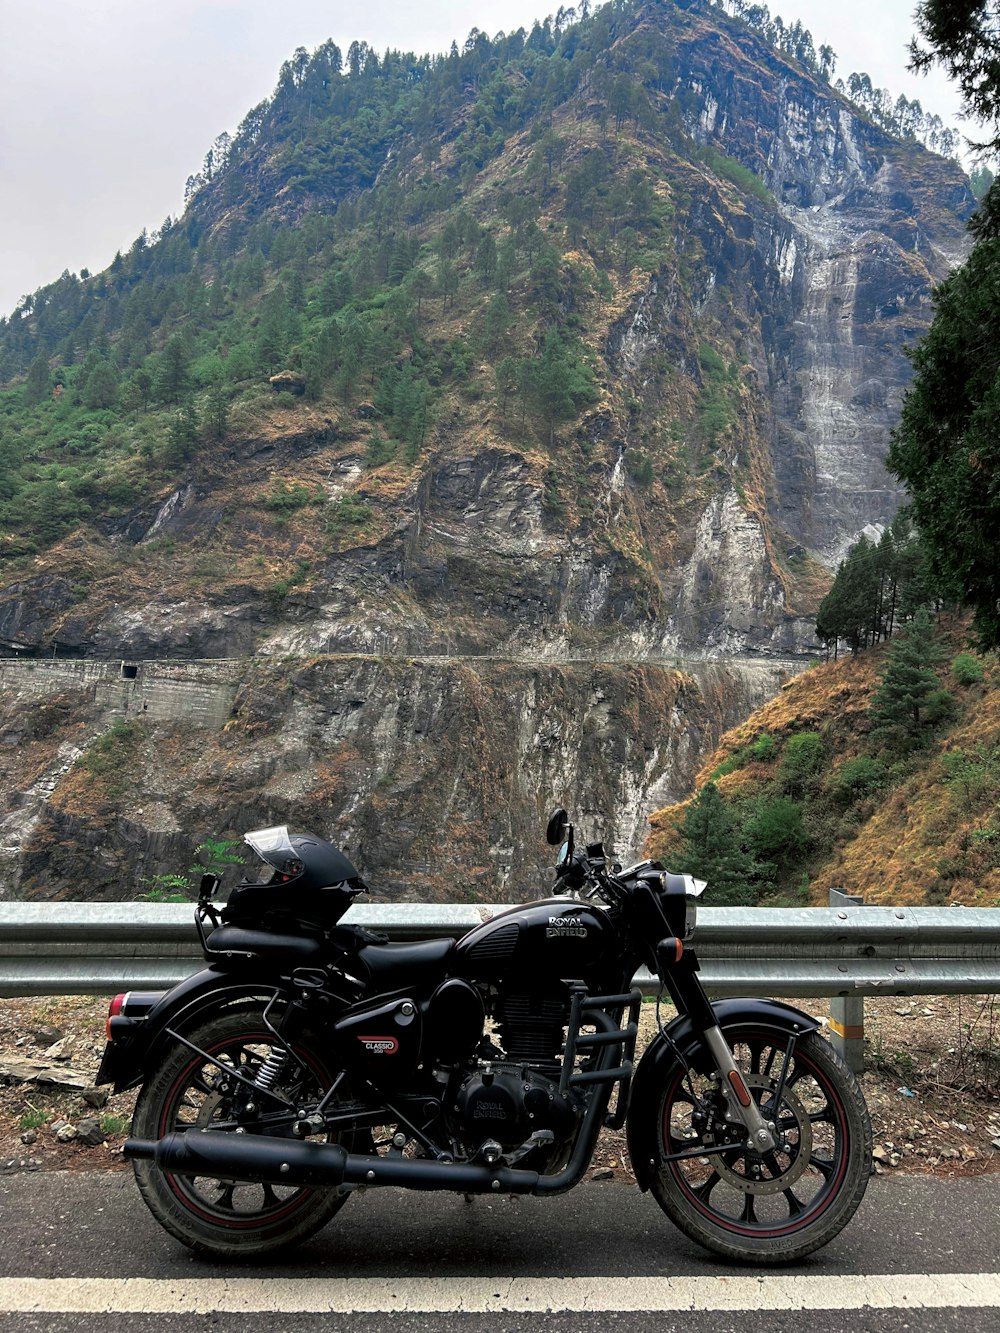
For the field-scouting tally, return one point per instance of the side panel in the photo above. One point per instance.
(659, 1062)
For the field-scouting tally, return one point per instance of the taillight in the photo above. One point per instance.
(114, 1009)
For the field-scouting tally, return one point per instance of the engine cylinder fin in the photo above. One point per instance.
(530, 1025)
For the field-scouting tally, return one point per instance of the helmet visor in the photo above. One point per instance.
(270, 843)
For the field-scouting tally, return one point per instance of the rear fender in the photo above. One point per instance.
(659, 1063)
(135, 1047)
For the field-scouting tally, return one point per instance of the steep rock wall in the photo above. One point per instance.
(863, 228)
(436, 775)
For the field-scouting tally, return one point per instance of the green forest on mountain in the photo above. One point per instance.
(319, 236)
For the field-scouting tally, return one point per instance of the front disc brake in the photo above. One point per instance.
(771, 1172)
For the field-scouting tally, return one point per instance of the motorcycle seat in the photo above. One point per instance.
(296, 950)
(393, 966)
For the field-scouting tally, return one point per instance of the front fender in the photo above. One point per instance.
(659, 1061)
(131, 1053)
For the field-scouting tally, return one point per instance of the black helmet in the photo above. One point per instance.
(302, 877)
(300, 858)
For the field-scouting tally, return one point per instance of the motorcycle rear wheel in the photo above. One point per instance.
(227, 1219)
(775, 1207)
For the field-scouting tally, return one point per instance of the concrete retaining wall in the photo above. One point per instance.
(197, 692)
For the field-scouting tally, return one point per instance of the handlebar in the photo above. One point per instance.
(591, 872)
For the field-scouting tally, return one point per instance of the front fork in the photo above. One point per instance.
(679, 974)
(762, 1133)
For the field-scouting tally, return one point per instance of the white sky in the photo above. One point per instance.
(107, 106)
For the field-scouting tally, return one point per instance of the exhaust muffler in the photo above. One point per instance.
(274, 1161)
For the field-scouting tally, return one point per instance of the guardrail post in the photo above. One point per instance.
(847, 1012)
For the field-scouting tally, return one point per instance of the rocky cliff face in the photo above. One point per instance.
(821, 288)
(436, 775)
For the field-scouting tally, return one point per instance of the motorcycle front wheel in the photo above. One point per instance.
(777, 1206)
(225, 1218)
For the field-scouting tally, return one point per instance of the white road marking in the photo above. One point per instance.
(487, 1295)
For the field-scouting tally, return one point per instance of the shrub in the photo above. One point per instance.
(972, 775)
(115, 1124)
(764, 748)
(967, 670)
(802, 758)
(857, 778)
(774, 829)
(711, 361)
(282, 499)
(730, 764)
(109, 755)
(282, 587)
(640, 468)
(345, 513)
(380, 450)
(34, 1119)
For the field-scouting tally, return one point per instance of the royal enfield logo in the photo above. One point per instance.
(380, 1045)
(484, 1110)
(565, 927)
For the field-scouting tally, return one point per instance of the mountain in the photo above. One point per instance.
(579, 347)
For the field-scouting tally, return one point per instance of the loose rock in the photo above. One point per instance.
(89, 1132)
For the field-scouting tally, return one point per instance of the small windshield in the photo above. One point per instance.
(269, 843)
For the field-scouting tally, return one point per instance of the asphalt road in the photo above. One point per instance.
(79, 1252)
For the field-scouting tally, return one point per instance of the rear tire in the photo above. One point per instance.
(775, 1207)
(228, 1219)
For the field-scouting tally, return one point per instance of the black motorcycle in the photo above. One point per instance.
(312, 1058)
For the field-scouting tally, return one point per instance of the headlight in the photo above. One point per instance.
(681, 894)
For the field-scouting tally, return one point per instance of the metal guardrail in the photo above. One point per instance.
(101, 948)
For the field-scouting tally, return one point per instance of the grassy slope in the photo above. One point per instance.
(932, 836)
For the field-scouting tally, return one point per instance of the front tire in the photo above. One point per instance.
(775, 1207)
(228, 1219)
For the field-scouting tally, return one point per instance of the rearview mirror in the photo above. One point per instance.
(556, 828)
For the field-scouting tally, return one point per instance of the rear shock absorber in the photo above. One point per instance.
(307, 982)
(272, 1068)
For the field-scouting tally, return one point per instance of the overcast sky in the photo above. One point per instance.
(107, 106)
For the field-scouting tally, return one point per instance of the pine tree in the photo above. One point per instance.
(215, 416)
(713, 850)
(101, 387)
(506, 383)
(486, 258)
(556, 383)
(851, 610)
(446, 281)
(946, 446)
(172, 375)
(908, 698)
(182, 435)
(496, 322)
(36, 386)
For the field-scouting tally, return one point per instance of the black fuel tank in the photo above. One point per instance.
(554, 938)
